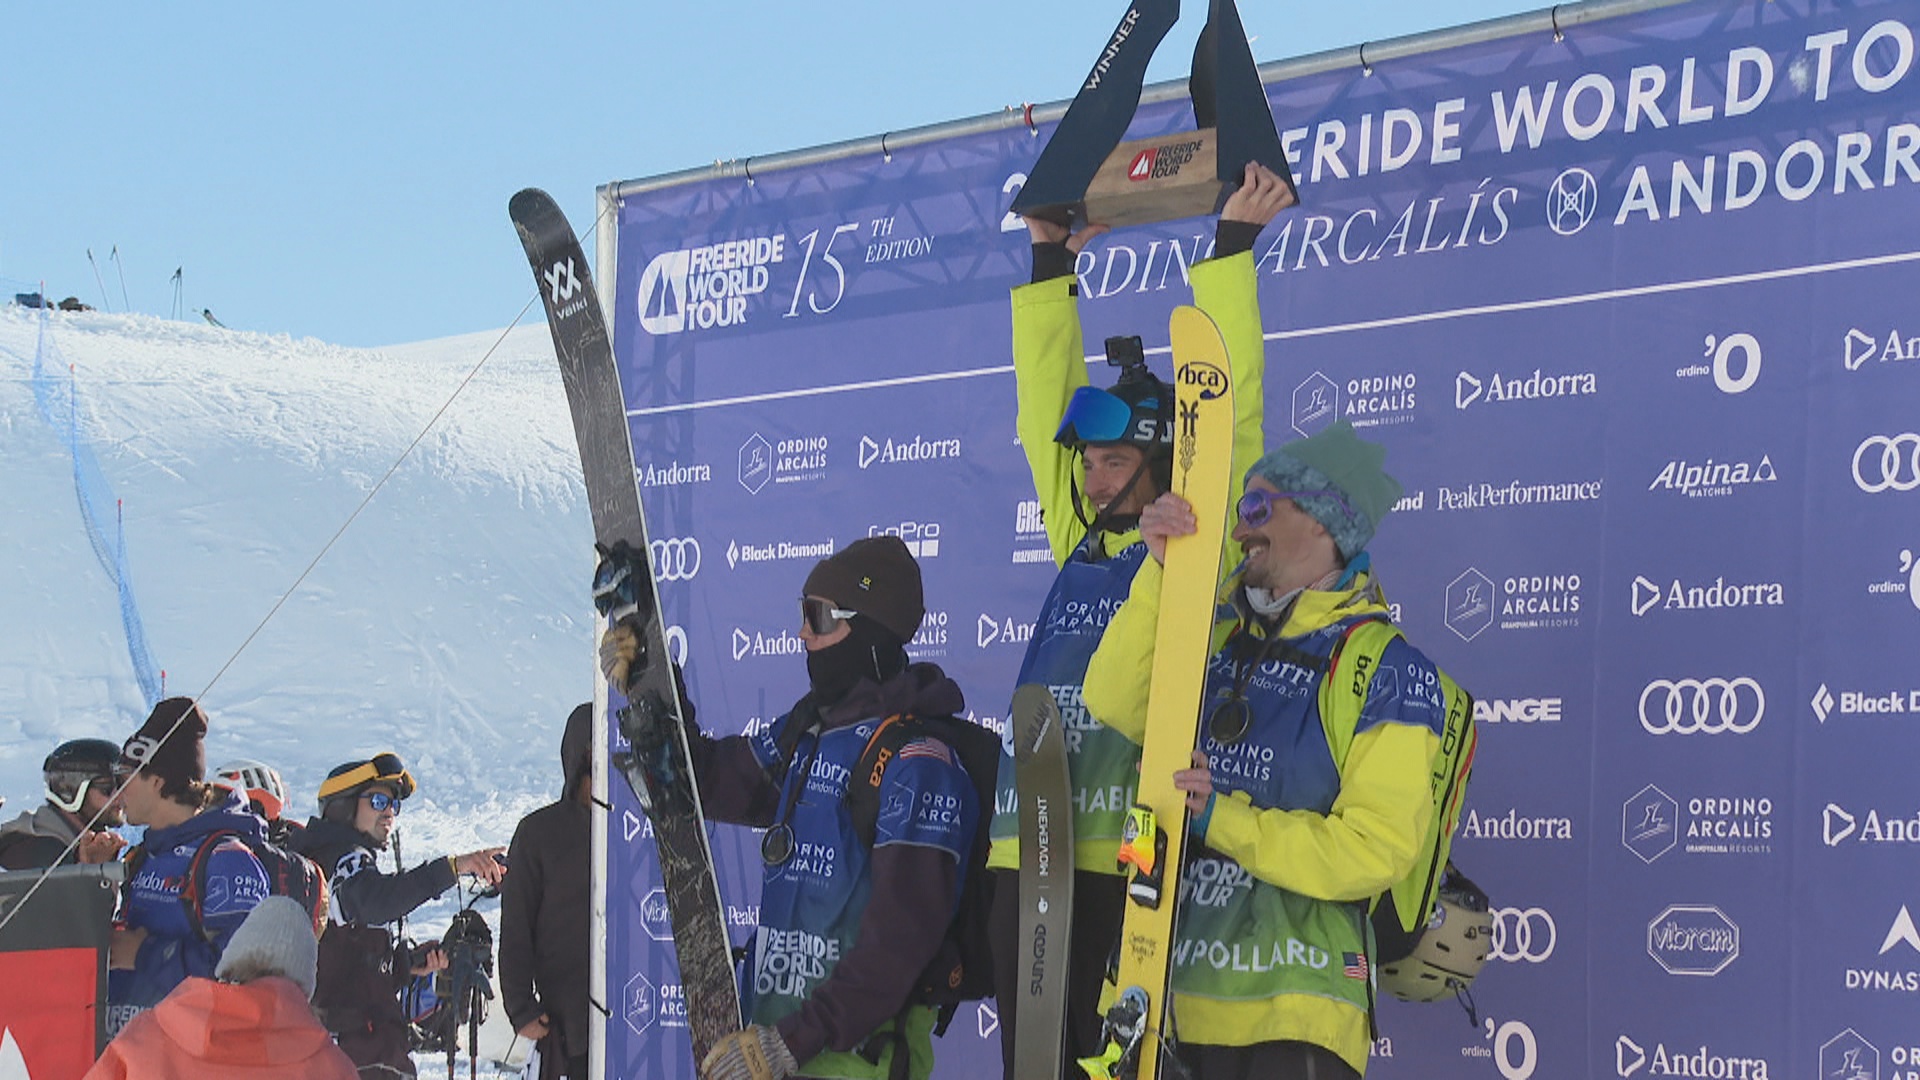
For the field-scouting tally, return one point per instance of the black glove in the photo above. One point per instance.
(622, 582)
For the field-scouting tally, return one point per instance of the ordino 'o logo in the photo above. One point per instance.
(1571, 201)
(1702, 706)
(1523, 934)
(1896, 466)
(675, 559)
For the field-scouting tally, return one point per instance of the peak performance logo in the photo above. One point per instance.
(705, 287)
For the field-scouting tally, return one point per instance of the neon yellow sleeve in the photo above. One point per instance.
(1121, 671)
(1364, 845)
(1049, 364)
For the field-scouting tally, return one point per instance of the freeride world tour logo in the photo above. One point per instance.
(705, 287)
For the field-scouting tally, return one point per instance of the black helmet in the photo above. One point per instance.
(345, 782)
(1137, 411)
(75, 763)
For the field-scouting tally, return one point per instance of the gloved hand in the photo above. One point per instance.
(752, 1053)
(622, 651)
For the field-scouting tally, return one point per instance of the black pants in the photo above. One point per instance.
(1099, 900)
(1265, 1061)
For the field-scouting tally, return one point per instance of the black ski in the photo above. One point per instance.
(659, 768)
(1046, 883)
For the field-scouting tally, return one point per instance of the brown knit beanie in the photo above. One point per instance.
(170, 744)
(877, 577)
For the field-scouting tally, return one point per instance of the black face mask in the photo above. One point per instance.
(868, 652)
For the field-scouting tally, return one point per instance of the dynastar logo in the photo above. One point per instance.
(1837, 826)
(1693, 939)
(1001, 631)
(1710, 478)
(1682, 597)
(1861, 348)
(1710, 706)
(1629, 1057)
(1316, 403)
(1887, 463)
(1847, 1056)
(562, 284)
(1902, 932)
(892, 452)
(707, 286)
(1468, 388)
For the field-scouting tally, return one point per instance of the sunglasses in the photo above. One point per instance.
(382, 802)
(821, 616)
(1256, 506)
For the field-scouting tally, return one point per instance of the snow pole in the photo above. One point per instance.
(105, 304)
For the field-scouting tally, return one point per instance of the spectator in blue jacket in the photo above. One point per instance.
(160, 940)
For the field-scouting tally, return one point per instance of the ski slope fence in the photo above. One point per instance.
(58, 399)
(1627, 290)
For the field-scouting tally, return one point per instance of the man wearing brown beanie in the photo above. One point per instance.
(848, 922)
(158, 943)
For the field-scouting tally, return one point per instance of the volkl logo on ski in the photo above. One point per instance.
(562, 285)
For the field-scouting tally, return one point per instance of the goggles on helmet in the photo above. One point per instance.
(381, 768)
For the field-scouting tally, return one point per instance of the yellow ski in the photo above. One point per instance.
(1157, 825)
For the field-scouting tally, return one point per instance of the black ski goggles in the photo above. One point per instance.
(381, 768)
(820, 616)
(1256, 506)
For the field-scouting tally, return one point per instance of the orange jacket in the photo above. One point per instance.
(207, 1030)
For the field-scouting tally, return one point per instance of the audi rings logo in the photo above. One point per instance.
(675, 559)
(1702, 706)
(1523, 934)
(1896, 466)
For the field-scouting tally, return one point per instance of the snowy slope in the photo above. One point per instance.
(450, 622)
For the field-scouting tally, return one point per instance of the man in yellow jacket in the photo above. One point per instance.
(1097, 457)
(1298, 819)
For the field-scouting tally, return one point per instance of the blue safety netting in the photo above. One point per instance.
(58, 396)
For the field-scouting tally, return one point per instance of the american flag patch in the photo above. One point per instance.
(1353, 965)
(928, 748)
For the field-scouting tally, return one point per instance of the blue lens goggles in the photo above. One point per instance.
(382, 802)
(1093, 416)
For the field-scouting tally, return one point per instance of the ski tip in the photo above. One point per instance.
(527, 200)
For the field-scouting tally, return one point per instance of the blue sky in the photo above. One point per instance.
(342, 171)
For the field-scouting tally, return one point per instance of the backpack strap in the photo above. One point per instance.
(1342, 699)
(193, 889)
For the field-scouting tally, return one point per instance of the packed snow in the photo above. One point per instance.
(450, 621)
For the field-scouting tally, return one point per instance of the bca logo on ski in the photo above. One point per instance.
(705, 287)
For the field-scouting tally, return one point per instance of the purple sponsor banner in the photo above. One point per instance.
(1632, 311)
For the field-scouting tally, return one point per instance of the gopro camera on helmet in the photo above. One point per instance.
(1129, 354)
